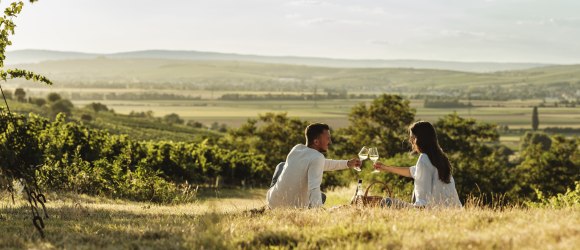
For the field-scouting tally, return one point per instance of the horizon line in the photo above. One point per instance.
(298, 56)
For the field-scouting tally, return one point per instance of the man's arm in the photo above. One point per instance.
(332, 165)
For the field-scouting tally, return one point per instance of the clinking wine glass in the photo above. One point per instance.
(363, 154)
(374, 156)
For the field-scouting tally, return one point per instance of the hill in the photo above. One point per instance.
(36, 56)
(235, 75)
(138, 128)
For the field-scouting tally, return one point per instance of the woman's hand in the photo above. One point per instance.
(380, 166)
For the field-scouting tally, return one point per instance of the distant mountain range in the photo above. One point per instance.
(36, 56)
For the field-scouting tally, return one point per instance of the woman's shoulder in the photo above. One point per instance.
(424, 160)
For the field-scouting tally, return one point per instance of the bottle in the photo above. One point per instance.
(359, 194)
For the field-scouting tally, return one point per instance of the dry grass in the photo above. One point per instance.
(225, 221)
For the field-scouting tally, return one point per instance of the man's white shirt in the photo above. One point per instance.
(298, 185)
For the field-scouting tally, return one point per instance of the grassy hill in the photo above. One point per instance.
(222, 220)
(158, 73)
(35, 56)
(136, 128)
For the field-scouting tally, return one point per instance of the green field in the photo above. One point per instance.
(335, 112)
(221, 219)
(237, 75)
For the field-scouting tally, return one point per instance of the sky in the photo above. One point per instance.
(539, 31)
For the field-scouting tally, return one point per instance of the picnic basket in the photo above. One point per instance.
(372, 200)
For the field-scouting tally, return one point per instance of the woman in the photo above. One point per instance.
(434, 186)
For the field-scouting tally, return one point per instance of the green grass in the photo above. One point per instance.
(175, 74)
(224, 221)
(136, 128)
(335, 112)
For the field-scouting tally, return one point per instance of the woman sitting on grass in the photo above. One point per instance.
(434, 185)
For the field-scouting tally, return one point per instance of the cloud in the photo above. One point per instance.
(318, 20)
(462, 33)
(367, 10)
(380, 42)
(306, 2)
(562, 22)
(324, 21)
(293, 16)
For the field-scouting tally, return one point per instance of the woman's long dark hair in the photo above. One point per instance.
(424, 140)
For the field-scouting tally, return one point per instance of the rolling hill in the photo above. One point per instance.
(36, 56)
(164, 73)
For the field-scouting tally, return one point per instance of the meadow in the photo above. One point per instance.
(516, 114)
(228, 219)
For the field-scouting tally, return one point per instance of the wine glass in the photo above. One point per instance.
(363, 154)
(374, 156)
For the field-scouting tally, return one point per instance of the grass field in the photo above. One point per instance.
(222, 220)
(515, 114)
(171, 74)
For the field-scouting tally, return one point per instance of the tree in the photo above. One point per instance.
(535, 119)
(86, 117)
(98, 107)
(480, 166)
(39, 101)
(21, 163)
(533, 138)
(550, 171)
(383, 124)
(275, 135)
(61, 106)
(172, 118)
(20, 94)
(53, 97)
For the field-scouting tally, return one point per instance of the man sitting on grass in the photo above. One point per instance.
(296, 182)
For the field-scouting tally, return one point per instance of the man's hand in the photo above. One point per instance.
(354, 162)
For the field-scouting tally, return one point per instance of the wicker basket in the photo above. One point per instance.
(375, 200)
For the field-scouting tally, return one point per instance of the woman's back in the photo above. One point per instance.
(428, 189)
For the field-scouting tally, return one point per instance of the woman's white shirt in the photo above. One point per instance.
(428, 190)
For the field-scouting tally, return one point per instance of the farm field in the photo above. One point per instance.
(222, 219)
(515, 114)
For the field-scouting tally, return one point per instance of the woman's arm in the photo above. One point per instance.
(404, 171)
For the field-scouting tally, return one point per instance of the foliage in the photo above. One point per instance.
(533, 138)
(83, 160)
(272, 135)
(53, 97)
(20, 94)
(535, 119)
(549, 171)
(382, 124)
(38, 101)
(570, 199)
(97, 107)
(19, 145)
(479, 165)
(61, 106)
(172, 118)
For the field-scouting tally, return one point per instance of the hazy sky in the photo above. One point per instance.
(462, 30)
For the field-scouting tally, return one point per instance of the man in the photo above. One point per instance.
(296, 182)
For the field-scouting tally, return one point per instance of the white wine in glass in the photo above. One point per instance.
(363, 154)
(374, 156)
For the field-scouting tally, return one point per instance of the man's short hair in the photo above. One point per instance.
(313, 131)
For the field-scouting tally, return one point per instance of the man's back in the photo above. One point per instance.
(299, 183)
